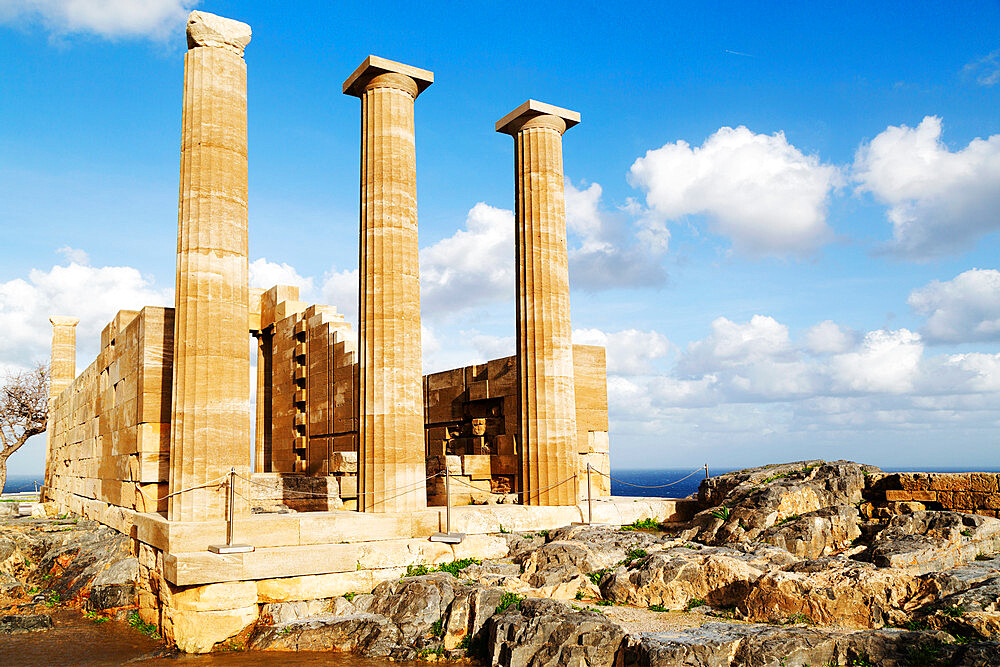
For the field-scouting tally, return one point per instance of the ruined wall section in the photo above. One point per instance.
(109, 433)
(471, 425)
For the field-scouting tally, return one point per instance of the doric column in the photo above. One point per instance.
(390, 392)
(210, 414)
(547, 417)
(62, 372)
(63, 364)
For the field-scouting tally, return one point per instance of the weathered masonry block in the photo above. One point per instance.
(973, 492)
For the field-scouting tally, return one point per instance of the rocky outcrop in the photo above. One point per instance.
(369, 634)
(13, 624)
(925, 542)
(672, 578)
(546, 632)
(729, 645)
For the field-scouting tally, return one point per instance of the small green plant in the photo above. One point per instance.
(983, 557)
(644, 524)
(691, 545)
(926, 653)
(967, 532)
(788, 519)
(94, 617)
(53, 599)
(635, 554)
(350, 596)
(457, 566)
(34, 590)
(603, 603)
(861, 661)
(694, 603)
(544, 533)
(427, 652)
(657, 607)
(47, 576)
(509, 600)
(721, 513)
(596, 576)
(284, 631)
(147, 629)
(953, 611)
(503, 531)
(914, 625)
(464, 644)
(797, 619)
(579, 595)
(437, 628)
(416, 570)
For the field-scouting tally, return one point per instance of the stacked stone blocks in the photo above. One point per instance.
(973, 492)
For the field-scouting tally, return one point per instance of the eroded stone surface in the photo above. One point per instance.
(204, 29)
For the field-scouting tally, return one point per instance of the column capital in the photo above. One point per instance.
(374, 66)
(58, 321)
(516, 119)
(204, 29)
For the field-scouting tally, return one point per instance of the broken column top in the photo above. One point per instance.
(58, 321)
(374, 65)
(204, 29)
(513, 121)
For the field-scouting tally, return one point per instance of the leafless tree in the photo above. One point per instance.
(24, 410)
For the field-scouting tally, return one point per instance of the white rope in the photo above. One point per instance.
(640, 486)
(314, 494)
(517, 493)
(138, 487)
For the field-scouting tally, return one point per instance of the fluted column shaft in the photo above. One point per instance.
(210, 415)
(547, 401)
(62, 371)
(390, 406)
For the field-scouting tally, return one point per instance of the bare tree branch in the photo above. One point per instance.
(24, 411)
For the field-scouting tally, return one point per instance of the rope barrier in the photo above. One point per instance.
(518, 493)
(313, 494)
(640, 486)
(217, 480)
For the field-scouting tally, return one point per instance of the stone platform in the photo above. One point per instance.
(311, 543)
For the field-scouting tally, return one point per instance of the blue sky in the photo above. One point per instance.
(783, 221)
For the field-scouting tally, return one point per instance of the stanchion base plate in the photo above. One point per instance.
(448, 538)
(594, 524)
(230, 548)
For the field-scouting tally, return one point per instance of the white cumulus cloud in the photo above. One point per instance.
(888, 361)
(92, 294)
(963, 309)
(106, 18)
(940, 201)
(758, 190)
(629, 352)
(265, 274)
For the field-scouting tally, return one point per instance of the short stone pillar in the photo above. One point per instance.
(547, 403)
(391, 457)
(210, 413)
(63, 364)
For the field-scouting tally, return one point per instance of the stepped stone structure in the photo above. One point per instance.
(331, 491)
(211, 402)
(544, 349)
(389, 402)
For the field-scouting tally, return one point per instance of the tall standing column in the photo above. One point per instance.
(390, 399)
(62, 371)
(546, 395)
(210, 413)
(63, 365)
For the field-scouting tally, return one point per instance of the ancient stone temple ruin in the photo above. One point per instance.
(340, 477)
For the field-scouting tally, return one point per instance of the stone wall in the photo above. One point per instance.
(109, 431)
(898, 493)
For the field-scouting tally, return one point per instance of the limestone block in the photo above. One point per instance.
(476, 466)
(319, 586)
(343, 462)
(506, 445)
(210, 597)
(199, 631)
(505, 464)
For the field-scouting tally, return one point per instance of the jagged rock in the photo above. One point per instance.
(721, 576)
(815, 534)
(204, 29)
(973, 612)
(277, 613)
(744, 505)
(370, 634)
(929, 541)
(415, 604)
(835, 591)
(12, 624)
(114, 587)
(729, 645)
(546, 632)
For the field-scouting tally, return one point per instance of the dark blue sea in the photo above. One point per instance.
(622, 481)
(17, 483)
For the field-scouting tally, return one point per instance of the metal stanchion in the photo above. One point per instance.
(590, 506)
(447, 537)
(229, 547)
